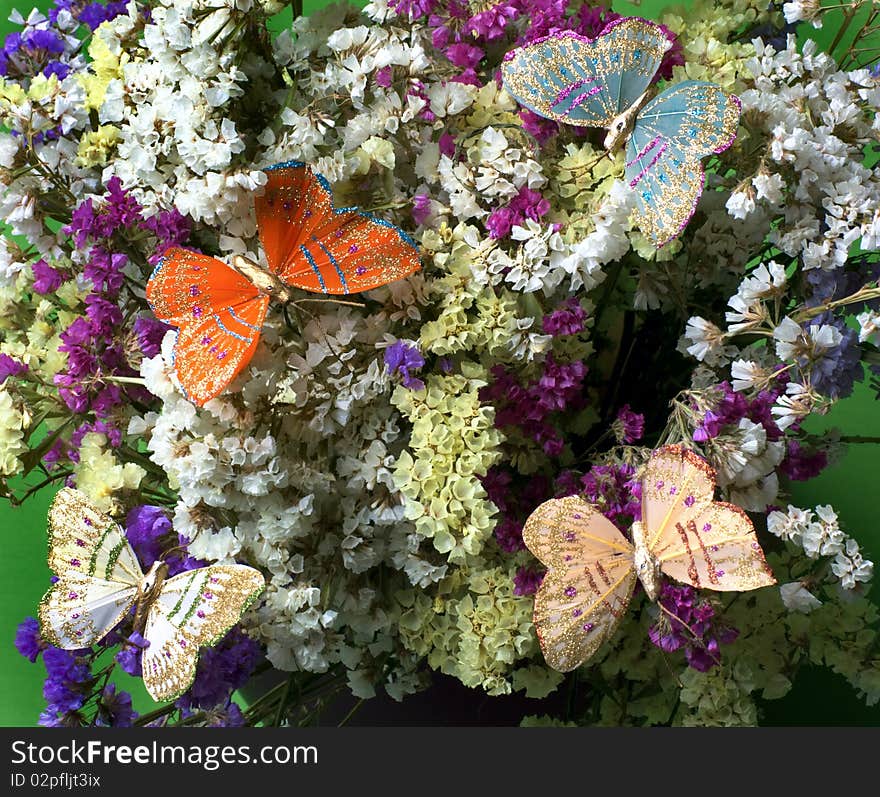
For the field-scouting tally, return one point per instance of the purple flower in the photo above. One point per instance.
(629, 426)
(836, 370)
(464, 55)
(500, 222)
(57, 68)
(567, 319)
(508, 533)
(221, 670)
(526, 581)
(383, 77)
(67, 681)
(46, 278)
(527, 204)
(496, 483)
(403, 357)
(414, 9)
(114, 708)
(150, 332)
(616, 490)
(105, 270)
(170, 227)
(129, 655)
(10, 367)
(539, 127)
(800, 464)
(421, 208)
(690, 623)
(446, 142)
(145, 526)
(44, 40)
(82, 223)
(28, 641)
(491, 24)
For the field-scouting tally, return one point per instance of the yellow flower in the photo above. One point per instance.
(107, 65)
(12, 426)
(99, 474)
(96, 145)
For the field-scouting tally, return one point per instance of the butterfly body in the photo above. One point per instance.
(606, 82)
(646, 565)
(148, 590)
(266, 283)
(99, 581)
(621, 126)
(592, 568)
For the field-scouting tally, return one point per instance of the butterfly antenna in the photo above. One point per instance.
(344, 303)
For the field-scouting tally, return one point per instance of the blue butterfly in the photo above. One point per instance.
(606, 82)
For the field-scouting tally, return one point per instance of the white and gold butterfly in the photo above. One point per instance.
(592, 568)
(99, 580)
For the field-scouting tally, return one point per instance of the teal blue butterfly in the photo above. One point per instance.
(606, 82)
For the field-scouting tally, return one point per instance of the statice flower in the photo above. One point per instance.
(9, 366)
(28, 641)
(67, 683)
(629, 426)
(802, 465)
(527, 204)
(46, 278)
(114, 708)
(567, 319)
(129, 655)
(526, 581)
(221, 670)
(404, 357)
(616, 489)
(691, 624)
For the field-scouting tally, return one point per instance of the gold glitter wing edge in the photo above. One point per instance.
(194, 609)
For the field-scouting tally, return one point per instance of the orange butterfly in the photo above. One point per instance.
(219, 310)
(592, 567)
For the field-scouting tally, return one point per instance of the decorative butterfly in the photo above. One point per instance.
(99, 580)
(219, 310)
(605, 82)
(592, 568)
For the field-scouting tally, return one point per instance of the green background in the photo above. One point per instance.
(819, 697)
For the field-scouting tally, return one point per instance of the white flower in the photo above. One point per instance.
(769, 187)
(869, 327)
(741, 203)
(707, 341)
(788, 335)
(850, 567)
(825, 537)
(803, 10)
(797, 598)
(793, 406)
(747, 374)
(767, 280)
(789, 525)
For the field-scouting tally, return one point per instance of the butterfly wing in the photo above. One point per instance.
(671, 134)
(194, 608)
(312, 245)
(586, 82)
(97, 571)
(698, 541)
(589, 582)
(218, 313)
